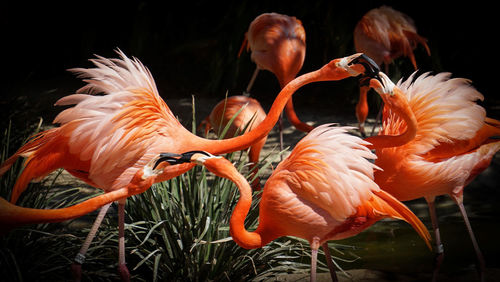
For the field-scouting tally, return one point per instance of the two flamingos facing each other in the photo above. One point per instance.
(324, 190)
(452, 141)
(384, 34)
(106, 140)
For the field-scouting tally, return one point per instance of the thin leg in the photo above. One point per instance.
(378, 118)
(280, 129)
(439, 249)
(252, 80)
(76, 267)
(479, 254)
(122, 266)
(314, 258)
(329, 261)
(361, 127)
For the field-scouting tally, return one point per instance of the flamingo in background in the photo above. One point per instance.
(324, 190)
(452, 144)
(106, 139)
(244, 114)
(384, 34)
(278, 44)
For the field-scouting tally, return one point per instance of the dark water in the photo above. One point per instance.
(394, 246)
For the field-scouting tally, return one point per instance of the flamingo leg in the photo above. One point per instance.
(329, 261)
(252, 80)
(439, 249)
(314, 258)
(122, 267)
(76, 267)
(481, 262)
(378, 119)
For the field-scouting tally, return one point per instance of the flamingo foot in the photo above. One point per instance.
(76, 271)
(362, 130)
(438, 260)
(124, 273)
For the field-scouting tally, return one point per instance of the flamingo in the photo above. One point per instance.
(105, 139)
(452, 144)
(243, 114)
(384, 34)
(278, 44)
(324, 190)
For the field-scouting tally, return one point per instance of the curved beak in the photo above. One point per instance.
(382, 84)
(187, 157)
(371, 68)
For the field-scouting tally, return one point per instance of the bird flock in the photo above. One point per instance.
(120, 136)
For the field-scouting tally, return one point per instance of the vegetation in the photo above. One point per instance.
(177, 230)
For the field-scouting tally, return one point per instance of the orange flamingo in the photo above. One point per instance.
(384, 34)
(278, 44)
(105, 139)
(323, 191)
(452, 144)
(243, 114)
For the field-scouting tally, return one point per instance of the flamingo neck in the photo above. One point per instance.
(362, 105)
(294, 119)
(244, 141)
(12, 215)
(386, 141)
(244, 238)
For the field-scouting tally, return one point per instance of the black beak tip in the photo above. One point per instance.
(371, 68)
(171, 158)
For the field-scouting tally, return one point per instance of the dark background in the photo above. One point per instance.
(191, 47)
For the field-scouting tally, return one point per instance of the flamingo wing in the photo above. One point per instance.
(331, 169)
(115, 131)
(445, 109)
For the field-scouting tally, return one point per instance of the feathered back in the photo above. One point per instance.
(331, 169)
(113, 130)
(384, 33)
(445, 109)
(248, 118)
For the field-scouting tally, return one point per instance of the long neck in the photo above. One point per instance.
(244, 141)
(12, 216)
(384, 141)
(248, 240)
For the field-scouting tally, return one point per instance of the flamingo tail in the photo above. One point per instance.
(33, 167)
(388, 206)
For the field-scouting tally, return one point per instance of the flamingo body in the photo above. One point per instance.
(249, 113)
(278, 44)
(385, 34)
(325, 189)
(452, 144)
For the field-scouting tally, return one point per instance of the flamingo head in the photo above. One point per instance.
(353, 65)
(216, 164)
